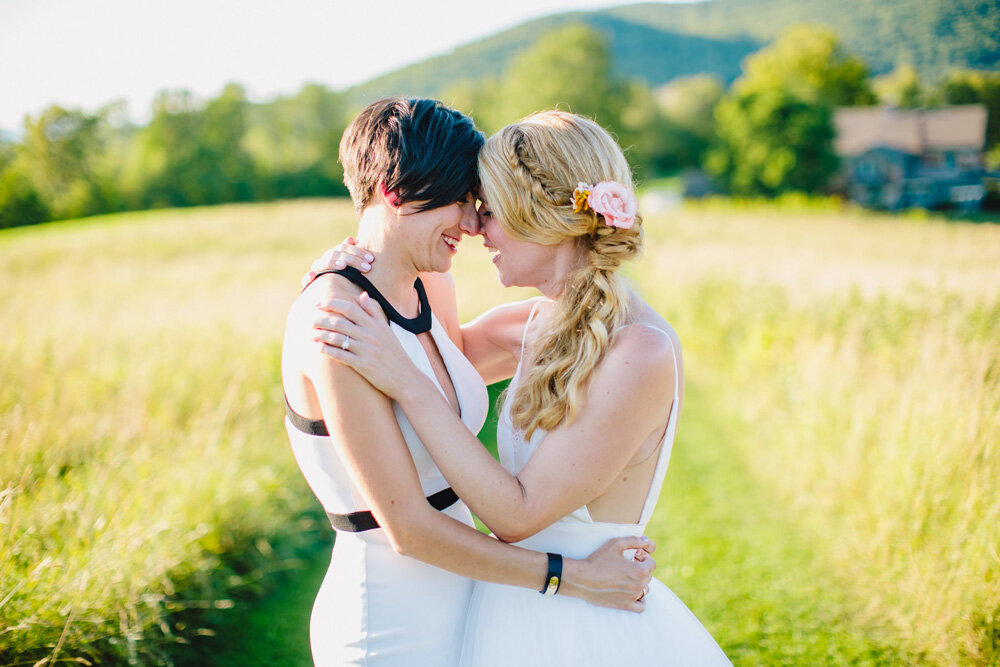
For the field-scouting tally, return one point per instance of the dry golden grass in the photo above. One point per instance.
(140, 407)
(814, 254)
(863, 353)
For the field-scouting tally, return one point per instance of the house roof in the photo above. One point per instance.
(859, 129)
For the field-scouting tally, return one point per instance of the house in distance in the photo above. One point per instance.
(902, 158)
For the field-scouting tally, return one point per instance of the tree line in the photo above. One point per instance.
(70, 163)
(768, 133)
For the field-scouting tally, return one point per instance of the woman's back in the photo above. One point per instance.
(626, 504)
(376, 607)
(559, 630)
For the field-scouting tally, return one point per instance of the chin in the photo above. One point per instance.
(504, 280)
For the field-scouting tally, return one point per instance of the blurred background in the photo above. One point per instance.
(819, 183)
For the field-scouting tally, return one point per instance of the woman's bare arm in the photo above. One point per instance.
(492, 341)
(575, 463)
(363, 425)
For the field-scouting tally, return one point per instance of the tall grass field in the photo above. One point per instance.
(833, 497)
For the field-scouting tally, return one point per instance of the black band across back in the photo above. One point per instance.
(304, 424)
(357, 522)
(416, 325)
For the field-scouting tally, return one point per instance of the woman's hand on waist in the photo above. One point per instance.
(608, 578)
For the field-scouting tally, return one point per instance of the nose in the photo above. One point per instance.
(470, 221)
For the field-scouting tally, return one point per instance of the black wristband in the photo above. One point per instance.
(554, 578)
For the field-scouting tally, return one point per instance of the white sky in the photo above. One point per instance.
(85, 53)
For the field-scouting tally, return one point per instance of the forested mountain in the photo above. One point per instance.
(659, 42)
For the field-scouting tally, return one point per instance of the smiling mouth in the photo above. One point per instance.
(452, 243)
(495, 252)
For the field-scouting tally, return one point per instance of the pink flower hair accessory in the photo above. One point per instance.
(610, 199)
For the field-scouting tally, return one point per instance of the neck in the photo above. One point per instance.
(392, 271)
(568, 259)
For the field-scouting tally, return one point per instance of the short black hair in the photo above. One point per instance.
(418, 147)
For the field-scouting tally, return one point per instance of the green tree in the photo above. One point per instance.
(193, 155)
(227, 172)
(479, 99)
(901, 88)
(975, 87)
(19, 202)
(810, 63)
(771, 141)
(294, 142)
(688, 127)
(59, 154)
(165, 158)
(774, 127)
(569, 68)
(644, 134)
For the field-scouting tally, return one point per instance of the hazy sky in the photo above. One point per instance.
(85, 53)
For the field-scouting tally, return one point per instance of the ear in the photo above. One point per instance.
(391, 197)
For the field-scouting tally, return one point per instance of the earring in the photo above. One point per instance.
(390, 196)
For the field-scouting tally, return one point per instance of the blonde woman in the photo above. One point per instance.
(589, 418)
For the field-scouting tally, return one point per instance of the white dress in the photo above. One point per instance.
(516, 626)
(376, 607)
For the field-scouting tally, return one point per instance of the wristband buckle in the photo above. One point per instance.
(554, 577)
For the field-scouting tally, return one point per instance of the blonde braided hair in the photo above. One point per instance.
(528, 172)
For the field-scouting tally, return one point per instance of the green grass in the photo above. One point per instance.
(831, 497)
(146, 475)
(270, 630)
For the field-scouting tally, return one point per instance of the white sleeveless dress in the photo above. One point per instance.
(376, 607)
(516, 626)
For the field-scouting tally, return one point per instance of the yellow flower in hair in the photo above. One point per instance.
(580, 196)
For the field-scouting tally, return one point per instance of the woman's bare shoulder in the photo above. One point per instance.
(647, 350)
(648, 327)
(642, 342)
(303, 310)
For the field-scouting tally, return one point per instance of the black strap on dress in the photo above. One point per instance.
(356, 522)
(415, 325)
(304, 424)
